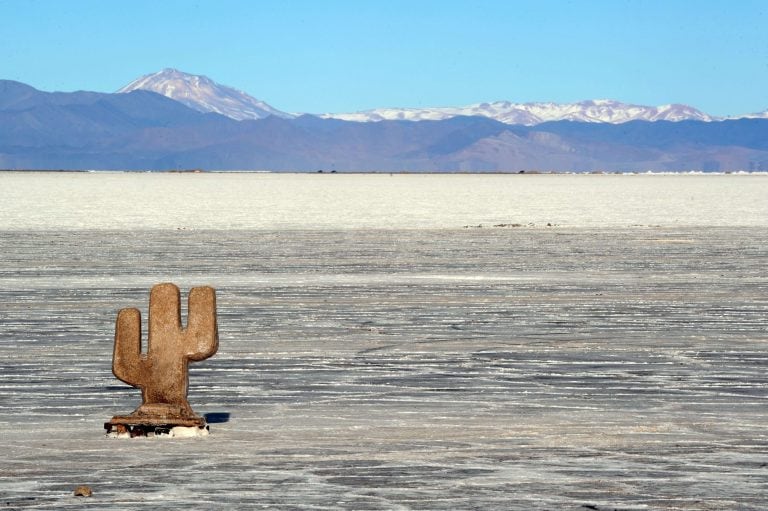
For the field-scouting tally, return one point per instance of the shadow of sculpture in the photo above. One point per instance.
(217, 417)
(162, 372)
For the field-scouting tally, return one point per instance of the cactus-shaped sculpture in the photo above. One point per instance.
(162, 372)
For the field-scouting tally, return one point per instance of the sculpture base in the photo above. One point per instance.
(132, 427)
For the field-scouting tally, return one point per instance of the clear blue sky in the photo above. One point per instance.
(336, 56)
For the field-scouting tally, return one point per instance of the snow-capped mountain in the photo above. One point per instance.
(203, 94)
(529, 114)
(756, 115)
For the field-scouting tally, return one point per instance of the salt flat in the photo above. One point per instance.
(72, 201)
(534, 367)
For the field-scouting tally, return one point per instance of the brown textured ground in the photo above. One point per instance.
(486, 368)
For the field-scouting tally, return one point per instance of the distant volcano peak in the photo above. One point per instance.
(203, 94)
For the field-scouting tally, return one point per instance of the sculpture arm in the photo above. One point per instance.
(201, 335)
(127, 363)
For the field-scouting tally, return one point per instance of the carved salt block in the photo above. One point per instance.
(162, 373)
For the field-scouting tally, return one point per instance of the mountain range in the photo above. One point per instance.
(204, 95)
(173, 120)
(530, 114)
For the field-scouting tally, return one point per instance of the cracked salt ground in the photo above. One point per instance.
(400, 369)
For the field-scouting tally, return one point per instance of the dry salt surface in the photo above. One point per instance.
(377, 354)
(54, 201)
